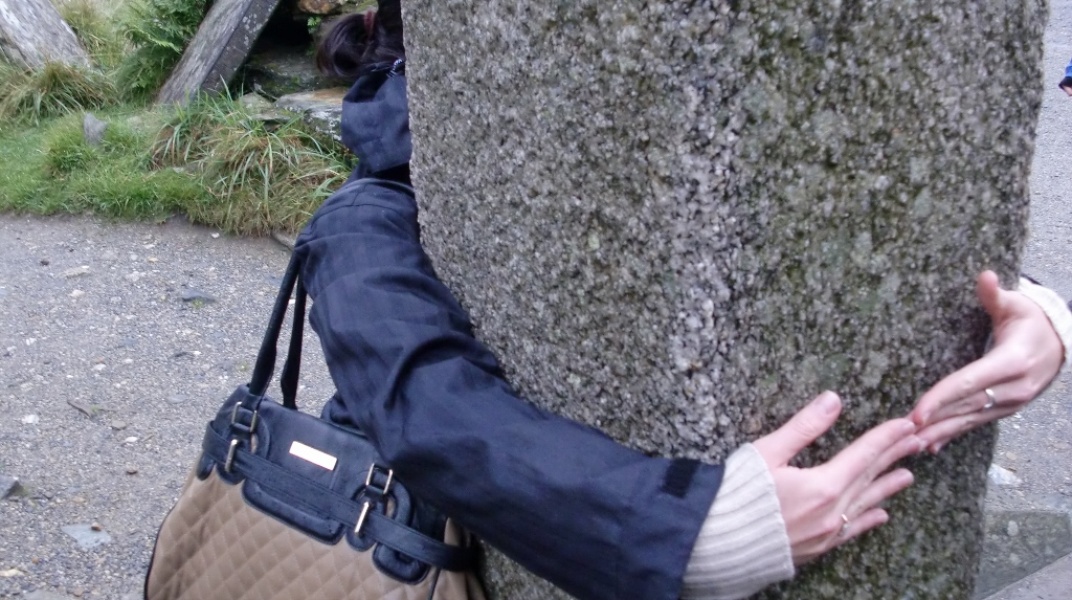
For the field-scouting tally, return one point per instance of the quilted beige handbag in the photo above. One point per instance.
(285, 506)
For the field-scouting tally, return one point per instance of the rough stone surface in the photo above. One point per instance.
(331, 7)
(217, 51)
(279, 71)
(93, 129)
(1019, 543)
(321, 7)
(33, 33)
(321, 109)
(680, 221)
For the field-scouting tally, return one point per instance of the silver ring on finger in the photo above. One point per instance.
(845, 523)
(991, 399)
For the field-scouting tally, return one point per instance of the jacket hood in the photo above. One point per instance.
(375, 121)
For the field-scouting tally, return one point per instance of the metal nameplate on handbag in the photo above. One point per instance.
(308, 453)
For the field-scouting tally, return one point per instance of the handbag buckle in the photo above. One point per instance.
(239, 430)
(230, 456)
(252, 421)
(372, 473)
(378, 491)
(361, 518)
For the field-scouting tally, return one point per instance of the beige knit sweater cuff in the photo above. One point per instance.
(743, 546)
(1056, 310)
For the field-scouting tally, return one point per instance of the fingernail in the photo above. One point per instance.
(829, 402)
(908, 478)
(936, 448)
(920, 445)
(907, 427)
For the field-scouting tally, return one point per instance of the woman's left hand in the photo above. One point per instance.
(1026, 355)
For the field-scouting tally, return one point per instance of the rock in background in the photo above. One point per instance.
(679, 222)
(33, 33)
(283, 60)
(221, 46)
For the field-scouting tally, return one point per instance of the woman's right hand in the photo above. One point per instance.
(829, 504)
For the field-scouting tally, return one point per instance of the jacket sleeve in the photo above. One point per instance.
(1059, 313)
(595, 518)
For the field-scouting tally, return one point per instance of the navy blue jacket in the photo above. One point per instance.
(595, 518)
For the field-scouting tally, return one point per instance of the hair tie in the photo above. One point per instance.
(370, 24)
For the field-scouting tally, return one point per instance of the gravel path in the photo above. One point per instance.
(117, 344)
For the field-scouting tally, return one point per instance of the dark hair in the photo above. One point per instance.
(360, 41)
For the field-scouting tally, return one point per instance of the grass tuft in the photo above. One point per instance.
(53, 90)
(95, 30)
(260, 176)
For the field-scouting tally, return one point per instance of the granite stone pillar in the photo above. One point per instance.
(679, 221)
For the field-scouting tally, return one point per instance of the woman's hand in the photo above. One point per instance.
(1026, 355)
(827, 505)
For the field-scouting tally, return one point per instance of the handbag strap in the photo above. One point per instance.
(288, 381)
(292, 285)
(329, 503)
(265, 365)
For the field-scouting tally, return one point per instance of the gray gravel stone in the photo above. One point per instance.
(44, 595)
(94, 129)
(87, 536)
(8, 486)
(76, 271)
(1001, 476)
(197, 296)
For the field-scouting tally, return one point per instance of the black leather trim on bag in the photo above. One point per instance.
(314, 499)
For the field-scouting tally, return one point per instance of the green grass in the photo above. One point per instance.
(62, 173)
(259, 175)
(95, 28)
(215, 161)
(158, 31)
(55, 89)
